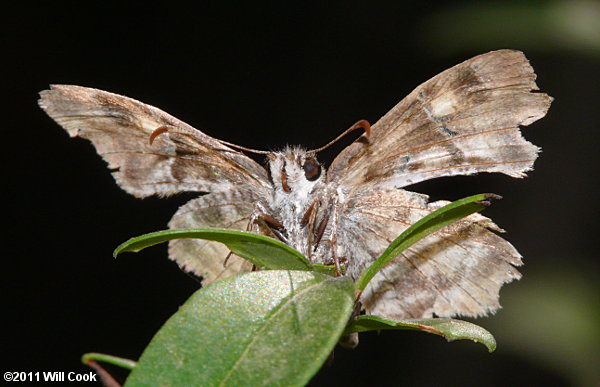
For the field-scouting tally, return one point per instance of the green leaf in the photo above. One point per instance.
(442, 217)
(446, 327)
(262, 251)
(260, 328)
(110, 359)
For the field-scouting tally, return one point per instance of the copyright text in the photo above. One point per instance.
(49, 376)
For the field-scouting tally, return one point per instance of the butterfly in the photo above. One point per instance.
(463, 121)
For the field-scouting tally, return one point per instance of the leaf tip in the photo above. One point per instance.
(118, 251)
(124, 247)
(490, 344)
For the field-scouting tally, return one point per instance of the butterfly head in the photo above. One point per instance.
(295, 171)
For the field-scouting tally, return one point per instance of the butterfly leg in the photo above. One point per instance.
(309, 219)
(341, 260)
(336, 259)
(259, 218)
(333, 237)
(275, 226)
(329, 222)
(321, 229)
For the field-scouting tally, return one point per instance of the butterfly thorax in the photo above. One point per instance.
(299, 190)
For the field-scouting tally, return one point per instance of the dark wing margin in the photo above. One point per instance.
(463, 121)
(182, 159)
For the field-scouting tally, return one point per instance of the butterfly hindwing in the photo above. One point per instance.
(457, 270)
(230, 210)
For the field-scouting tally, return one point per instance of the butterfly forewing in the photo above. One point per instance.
(463, 121)
(182, 159)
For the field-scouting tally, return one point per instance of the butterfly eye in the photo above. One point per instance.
(312, 169)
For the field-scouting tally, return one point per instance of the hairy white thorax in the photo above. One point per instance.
(298, 183)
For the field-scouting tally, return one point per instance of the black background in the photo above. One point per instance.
(264, 77)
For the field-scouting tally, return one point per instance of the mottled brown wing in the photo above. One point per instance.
(457, 270)
(463, 121)
(230, 210)
(182, 159)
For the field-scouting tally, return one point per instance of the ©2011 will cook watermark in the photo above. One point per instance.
(49, 376)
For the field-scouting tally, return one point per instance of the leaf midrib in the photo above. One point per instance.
(277, 311)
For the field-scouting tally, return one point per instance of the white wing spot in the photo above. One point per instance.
(443, 105)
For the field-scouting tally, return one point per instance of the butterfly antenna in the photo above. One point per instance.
(260, 152)
(362, 124)
(164, 129)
